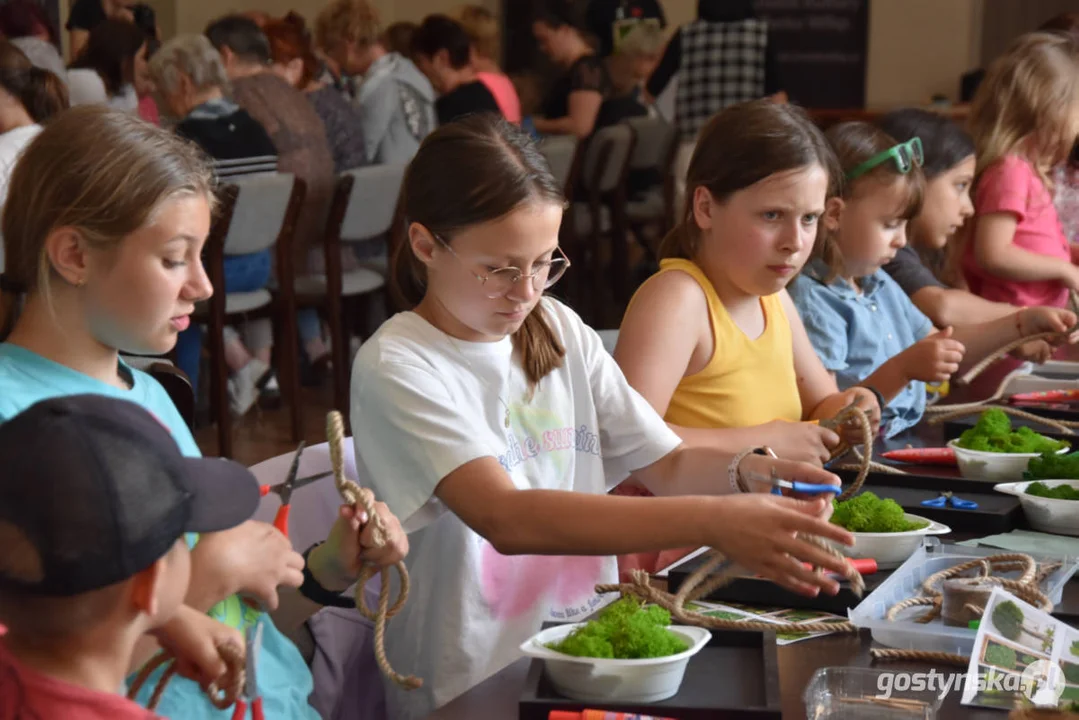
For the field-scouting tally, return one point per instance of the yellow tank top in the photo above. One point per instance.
(746, 382)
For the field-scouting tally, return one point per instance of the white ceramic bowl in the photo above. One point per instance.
(891, 550)
(992, 466)
(1046, 514)
(606, 680)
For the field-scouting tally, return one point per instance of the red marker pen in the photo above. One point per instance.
(597, 715)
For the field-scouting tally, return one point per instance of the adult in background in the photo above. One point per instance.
(295, 61)
(398, 38)
(24, 23)
(572, 104)
(396, 99)
(29, 96)
(190, 78)
(298, 136)
(729, 28)
(443, 52)
(612, 20)
(110, 67)
(486, 34)
(88, 14)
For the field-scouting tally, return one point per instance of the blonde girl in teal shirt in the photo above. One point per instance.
(103, 230)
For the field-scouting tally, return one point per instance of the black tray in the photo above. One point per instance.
(919, 477)
(996, 512)
(765, 593)
(736, 675)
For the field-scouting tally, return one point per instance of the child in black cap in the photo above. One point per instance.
(94, 504)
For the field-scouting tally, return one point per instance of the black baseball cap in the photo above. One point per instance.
(94, 490)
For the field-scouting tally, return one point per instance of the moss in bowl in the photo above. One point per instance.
(994, 433)
(624, 630)
(870, 514)
(1060, 492)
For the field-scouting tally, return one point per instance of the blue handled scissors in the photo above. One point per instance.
(947, 498)
(778, 484)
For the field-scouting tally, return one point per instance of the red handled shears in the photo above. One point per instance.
(285, 489)
(250, 697)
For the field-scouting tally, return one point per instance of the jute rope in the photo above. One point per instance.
(222, 692)
(352, 494)
(944, 413)
(999, 353)
(1026, 587)
(702, 581)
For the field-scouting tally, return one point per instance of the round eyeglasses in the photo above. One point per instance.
(498, 283)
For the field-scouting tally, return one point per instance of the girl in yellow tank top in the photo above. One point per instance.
(712, 340)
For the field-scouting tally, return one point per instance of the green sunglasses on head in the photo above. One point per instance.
(906, 155)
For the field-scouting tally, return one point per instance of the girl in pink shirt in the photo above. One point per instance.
(1024, 121)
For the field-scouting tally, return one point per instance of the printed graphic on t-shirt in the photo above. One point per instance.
(538, 433)
(539, 444)
(513, 585)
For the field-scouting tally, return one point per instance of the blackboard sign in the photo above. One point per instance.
(820, 49)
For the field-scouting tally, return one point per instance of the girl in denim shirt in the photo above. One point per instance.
(861, 323)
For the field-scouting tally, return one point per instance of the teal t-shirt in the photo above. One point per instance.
(284, 679)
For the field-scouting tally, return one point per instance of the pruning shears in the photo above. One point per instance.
(285, 489)
(250, 696)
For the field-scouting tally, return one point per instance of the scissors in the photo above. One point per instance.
(250, 696)
(947, 498)
(284, 490)
(778, 484)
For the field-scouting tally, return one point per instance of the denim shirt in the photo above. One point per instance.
(855, 333)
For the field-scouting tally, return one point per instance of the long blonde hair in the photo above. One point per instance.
(1031, 91)
(103, 173)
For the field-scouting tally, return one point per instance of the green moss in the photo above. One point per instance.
(868, 513)
(624, 630)
(1060, 492)
(1008, 619)
(993, 433)
(1071, 673)
(1001, 656)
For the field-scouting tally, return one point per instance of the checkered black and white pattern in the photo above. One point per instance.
(722, 64)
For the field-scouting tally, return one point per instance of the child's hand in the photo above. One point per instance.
(758, 533)
(934, 359)
(862, 398)
(800, 441)
(1034, 320)
(253, 558)
(336, 563)
(1069, 276)
(1035, 351)
(195, 640)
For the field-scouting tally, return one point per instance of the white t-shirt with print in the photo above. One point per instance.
(424, 404)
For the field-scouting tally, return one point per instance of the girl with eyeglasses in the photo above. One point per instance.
(1024, 120)
(863, 326)
(491, 420)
